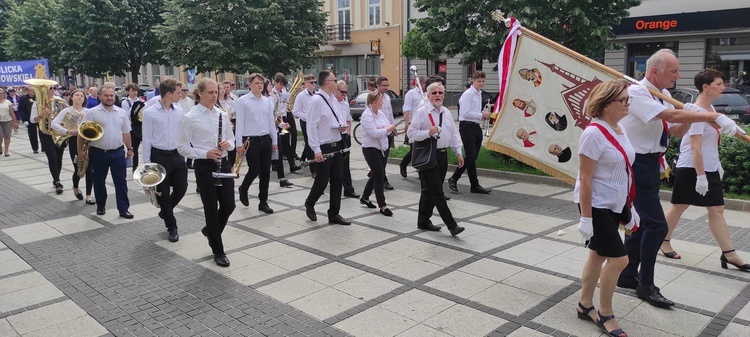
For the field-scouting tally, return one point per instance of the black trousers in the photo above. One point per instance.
(73, 149)
(471, 136)
(346, 181)
(432, 193)
(292, 134)
(330, 169)
(407, 157)
(258, 156)
(136, 140)
(643, 245)
(54, 155)
(376, 161)
(307, 152)
(232, 155)
(284, 150)
(216, 219)
(33, 139)
(176, 180)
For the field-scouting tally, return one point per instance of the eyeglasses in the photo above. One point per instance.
(343, 91)
(185, 90)
(234, 85)
(437, 93)
(624, 101)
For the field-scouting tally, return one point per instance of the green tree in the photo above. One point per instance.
(30, 28)
(112, 36)
(264, 36)
(4, 7)
(467, 27)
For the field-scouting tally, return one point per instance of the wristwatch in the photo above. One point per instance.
(130, 149)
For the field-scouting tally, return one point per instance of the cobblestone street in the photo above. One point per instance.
(65, 271)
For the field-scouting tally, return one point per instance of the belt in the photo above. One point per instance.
(468, 123)
(107, 151)
(153, 149)
(652, 154)
(256, 137)
(334, 144)
(444, 150)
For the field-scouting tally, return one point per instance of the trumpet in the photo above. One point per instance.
(89, 131)
(149, 175)
(486, 122)
(239, 159)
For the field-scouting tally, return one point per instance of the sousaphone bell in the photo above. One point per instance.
(149, 175)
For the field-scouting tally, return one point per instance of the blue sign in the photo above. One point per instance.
(14, 73)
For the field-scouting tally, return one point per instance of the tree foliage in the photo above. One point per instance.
(467, 27)
(264, 36)
(30, 28)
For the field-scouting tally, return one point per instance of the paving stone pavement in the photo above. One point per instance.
(515, 271)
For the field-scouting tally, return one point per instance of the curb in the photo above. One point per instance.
(733, 204)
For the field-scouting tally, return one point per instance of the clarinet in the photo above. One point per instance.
(306, 163)
(217, 181)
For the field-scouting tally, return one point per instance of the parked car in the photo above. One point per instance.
(732, 102)
(241, 92)
(358, 105)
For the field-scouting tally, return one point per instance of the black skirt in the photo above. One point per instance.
(684, 192)
(606, 240)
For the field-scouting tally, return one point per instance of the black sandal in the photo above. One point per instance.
(78, 194)
(672, 254)
(614, 333)
(584, 313)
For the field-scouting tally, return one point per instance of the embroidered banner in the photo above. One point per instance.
(15, 72)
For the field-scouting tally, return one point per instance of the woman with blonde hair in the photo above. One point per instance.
(604, 190)
(376, 127)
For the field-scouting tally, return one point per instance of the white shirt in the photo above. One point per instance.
(152, 101)
(186, 103)
(374, 133)
(609, 185)
(387, 109)
(255, 118)
(301, 105)
(419, 128)
(161, 129)
(228, 105)
(34, 112)
(5, 111)
(644, 128)
(115, 124)
(344, 113)
(322, 126)
(127, 104)
(709, 145)
(412, 99)
(199, 132)
(470, 106)
(57, 122)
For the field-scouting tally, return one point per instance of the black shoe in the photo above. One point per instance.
(294, 168)
(367, 203)
(126, 215)
(403, 170)
(653, 296)
(264, 207)
(161, 214)
(338, 220)
(627, 283)
(744, 267)
(285, 183)
(173, 236)
(456, 230)
(452, 184)
(90, 202)
(204, 231)
(388, 186)
(100, 211)
(386, 212)
(35, 152)
(351, 194)
(58, 190)
(447, 197)
(58, 187)
(221, 260)
(243, 196)
(310, 212)
(197, 190)
(600, 323)
(480, 190)
(429, 227)
(78, 194)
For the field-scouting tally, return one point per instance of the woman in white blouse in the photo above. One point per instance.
(698, 174)
(8, 121)
(75, 104)
(601, 191)
(374, 144)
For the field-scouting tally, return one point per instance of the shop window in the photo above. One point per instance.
(730, 55)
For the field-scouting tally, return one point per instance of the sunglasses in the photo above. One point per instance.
(185, 90)
(437, 93)
(343, 91)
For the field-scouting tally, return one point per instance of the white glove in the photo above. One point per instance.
(691, 107)
(586, 227)
(701, 184)
(635, 220)
(26, 123)
(726, 125)
(721, 172)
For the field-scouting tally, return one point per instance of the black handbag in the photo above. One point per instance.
(424, 152)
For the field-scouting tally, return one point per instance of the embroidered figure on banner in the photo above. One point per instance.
(40, 71)
(575, 94)
(528, 138)
(528, 107)
(532, 75)
(558, 122)
(562, 154)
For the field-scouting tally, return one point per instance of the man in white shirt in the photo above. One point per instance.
(206, 136)
(280, 98)
(470, 117)
(324, 133)
(230, 87)
(412, 101)
(186, 102)
(300, 110)
(132, 105)
(256, 125)
(106, 154)
(161, 131)
(346, 139)
(382, 87)
(429, 121)
(648, 130)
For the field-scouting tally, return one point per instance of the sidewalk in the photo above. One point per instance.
(64, 271)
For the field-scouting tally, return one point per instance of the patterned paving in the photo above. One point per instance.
(515, 271)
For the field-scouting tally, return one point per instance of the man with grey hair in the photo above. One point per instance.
(648, 128)
(341, 94)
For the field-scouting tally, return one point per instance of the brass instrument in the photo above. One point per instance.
(70, 122)
(486, 122)
(149, 175)
(89, 131)
(55, 104)
(237, 166)
(139, 112)
(279, 117)
(294, 90)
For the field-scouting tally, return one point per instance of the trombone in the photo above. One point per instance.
(149, 175)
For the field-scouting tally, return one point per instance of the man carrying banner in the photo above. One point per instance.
(470, 117)
(648, 130)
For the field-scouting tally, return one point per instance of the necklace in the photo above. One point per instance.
(615, 127)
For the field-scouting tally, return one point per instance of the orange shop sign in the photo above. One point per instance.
(662, 24)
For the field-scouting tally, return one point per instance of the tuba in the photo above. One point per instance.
(294, 90)
(70, 122)
(89, 131)
(55, 104)
(149, 175)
